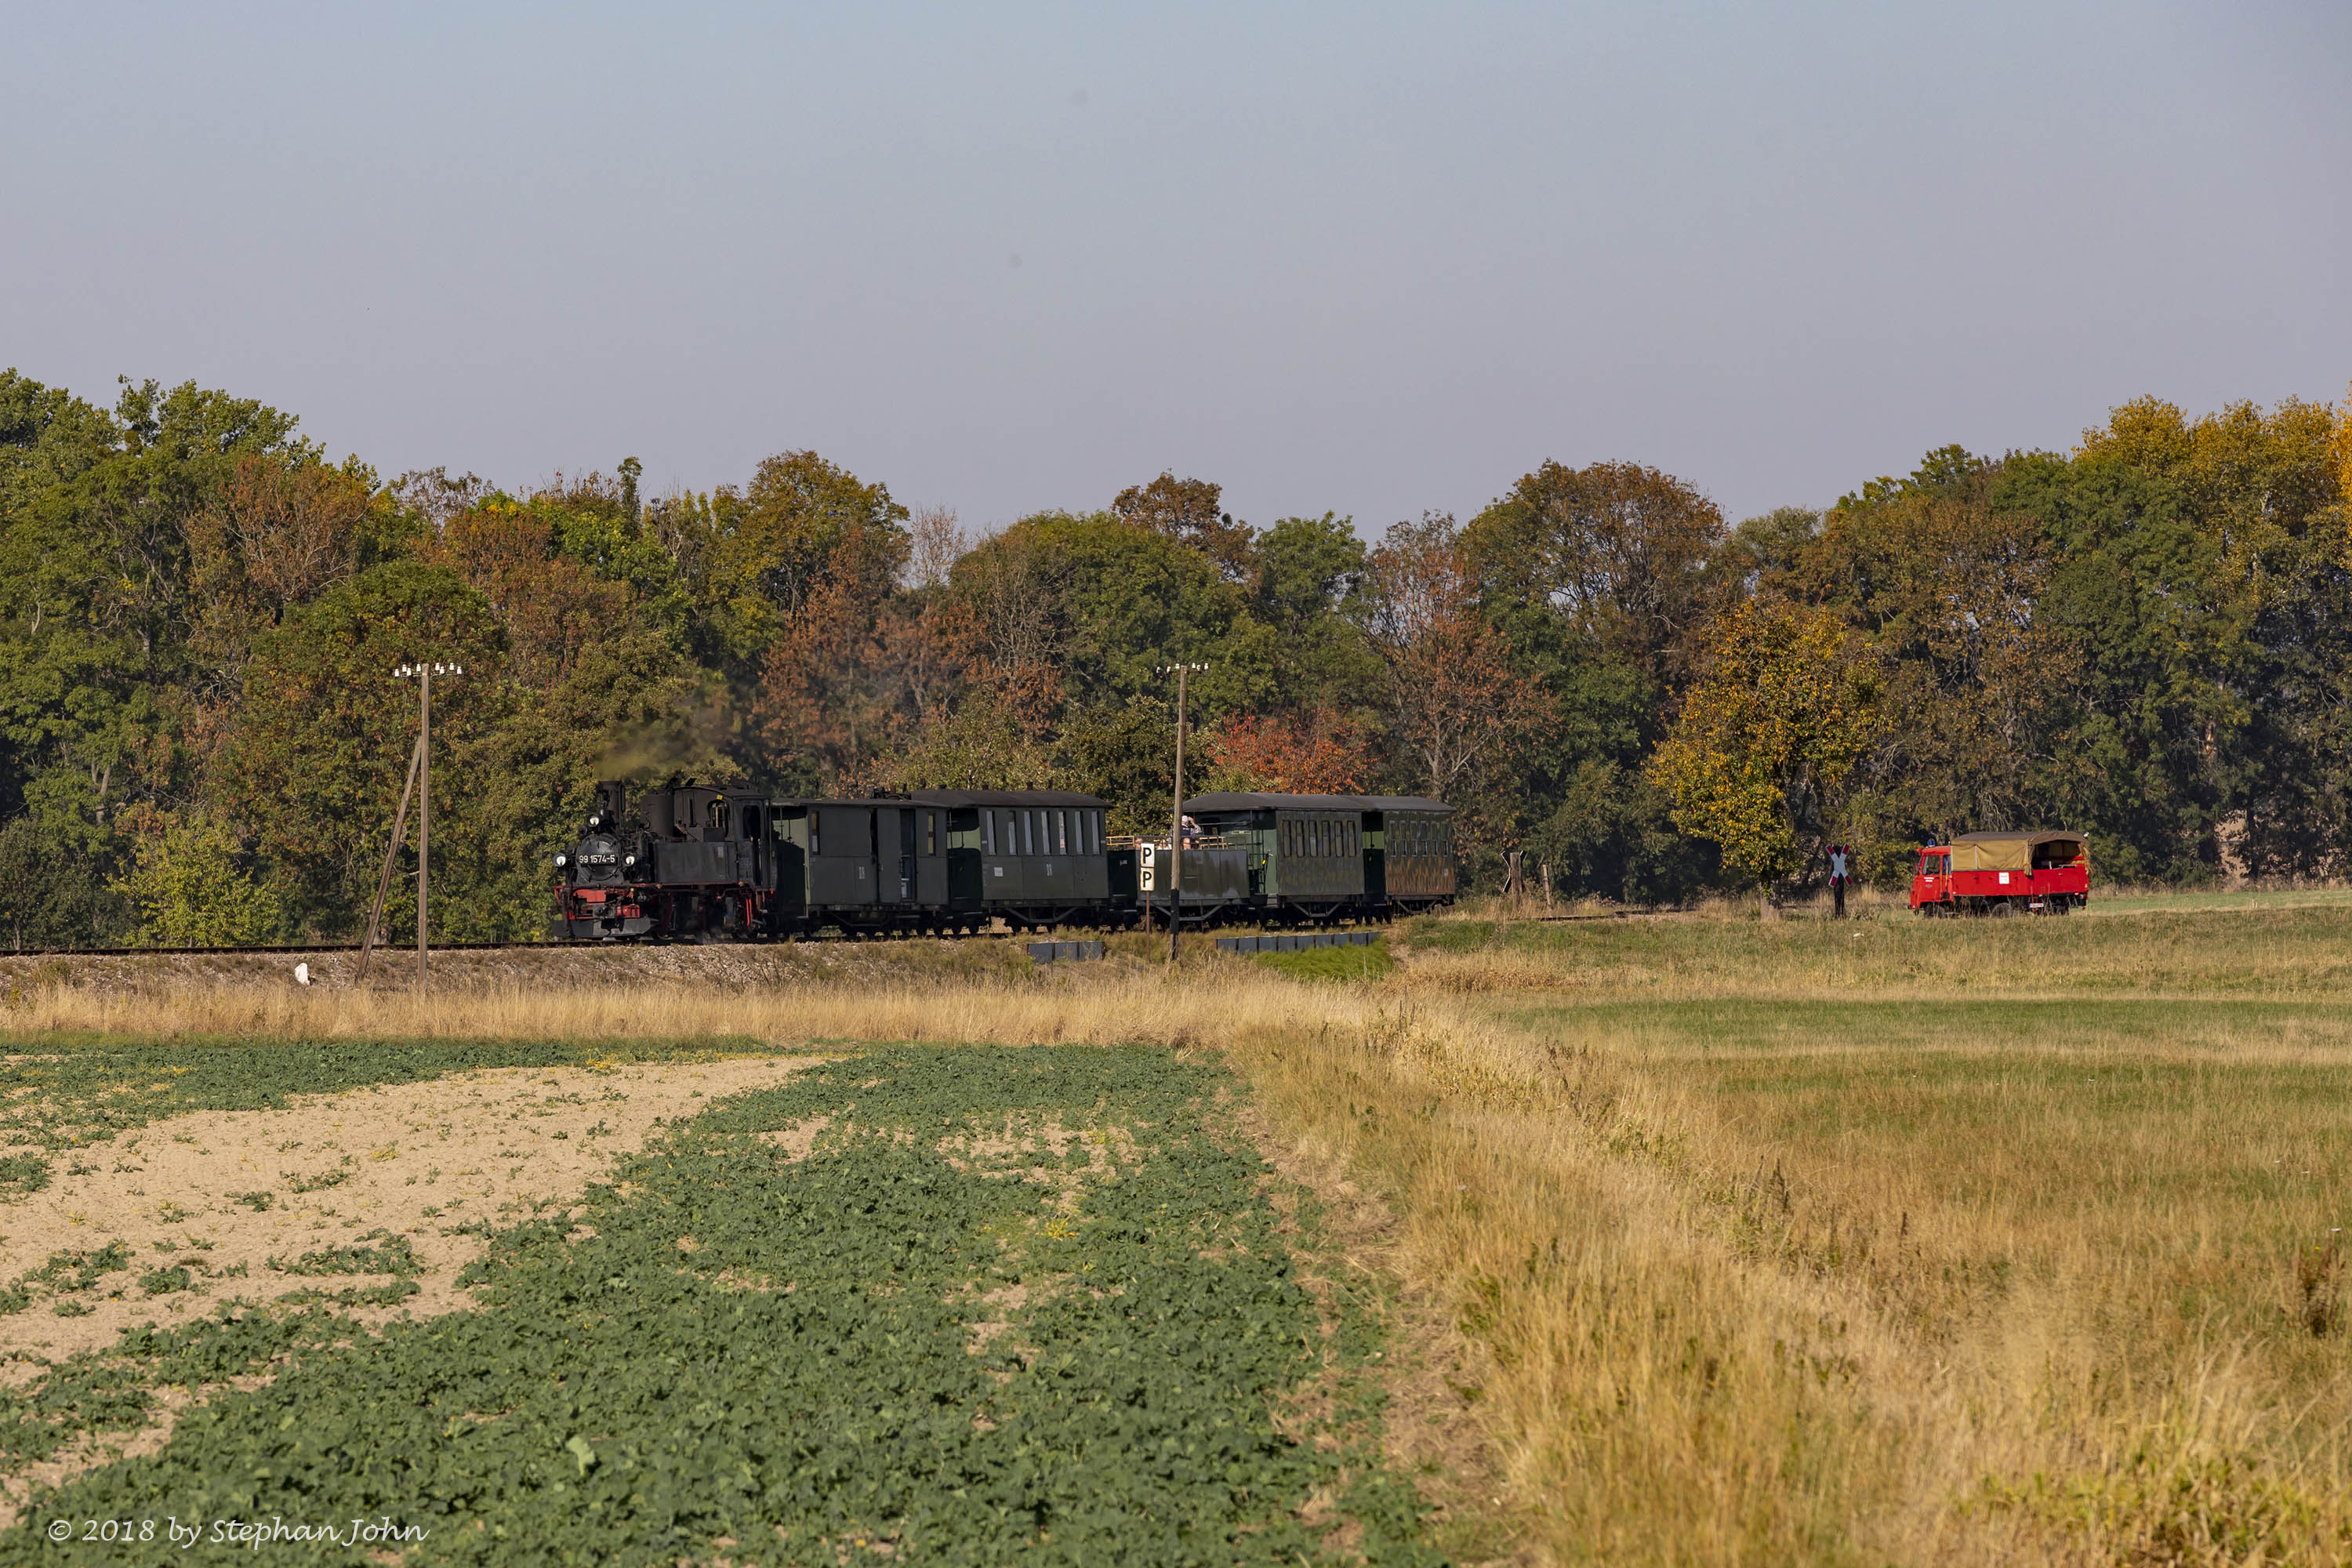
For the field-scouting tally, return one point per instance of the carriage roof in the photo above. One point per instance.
(1270, 801)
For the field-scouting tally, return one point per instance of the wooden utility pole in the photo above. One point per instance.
(424, 811)
(391, 853)
(424, 672)
(1175, 879)
(1176, 827)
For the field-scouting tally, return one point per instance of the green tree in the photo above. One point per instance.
(1105, 603)
(2196, 566)
(1981, 683)
(1307, 591)
(97, 670)
(191, 891)
(51, 896)
(1598, 579)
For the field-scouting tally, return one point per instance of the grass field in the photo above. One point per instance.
(1736, 1240)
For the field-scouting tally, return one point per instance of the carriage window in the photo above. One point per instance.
(1028, 832)
(1061, 833)
(816, 845)
(1093, 832)
(987, 832)
(930, 833)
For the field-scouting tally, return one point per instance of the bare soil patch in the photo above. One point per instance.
(214, 1205)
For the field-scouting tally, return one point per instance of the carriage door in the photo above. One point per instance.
(887, 857)
(907, 815)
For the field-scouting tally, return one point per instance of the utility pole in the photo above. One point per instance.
(1176, 821)
(424, 673)
(391, 852)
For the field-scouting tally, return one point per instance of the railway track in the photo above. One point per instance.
(294, 949)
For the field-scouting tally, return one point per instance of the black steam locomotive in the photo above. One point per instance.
(694, 864)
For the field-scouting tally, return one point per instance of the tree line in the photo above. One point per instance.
(2147, 639)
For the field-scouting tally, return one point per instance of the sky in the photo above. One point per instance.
(1363, 259)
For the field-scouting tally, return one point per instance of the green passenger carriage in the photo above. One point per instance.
(702, 864)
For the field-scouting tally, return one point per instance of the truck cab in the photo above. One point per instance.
(1931, 880)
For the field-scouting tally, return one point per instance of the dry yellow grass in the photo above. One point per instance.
(1779, 1241)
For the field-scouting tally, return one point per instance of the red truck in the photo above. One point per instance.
(2003, 874)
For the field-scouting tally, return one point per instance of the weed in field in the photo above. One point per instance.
(379, 1252)
(165, 1282)
(21, 1176)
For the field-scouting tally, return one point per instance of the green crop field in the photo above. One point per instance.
(973, 1305)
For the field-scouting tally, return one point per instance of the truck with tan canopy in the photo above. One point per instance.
(2036, 872)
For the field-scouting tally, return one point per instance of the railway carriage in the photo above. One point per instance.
(699, 864)
(1328, 856)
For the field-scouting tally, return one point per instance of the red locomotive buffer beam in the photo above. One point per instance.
(2038, 872)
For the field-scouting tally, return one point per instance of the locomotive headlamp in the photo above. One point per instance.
(562, 860)
(628, 860)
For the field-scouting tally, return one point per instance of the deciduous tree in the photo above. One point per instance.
(1455, 704)
(1785, 706)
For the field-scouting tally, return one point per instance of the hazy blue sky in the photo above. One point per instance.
(1373, 259)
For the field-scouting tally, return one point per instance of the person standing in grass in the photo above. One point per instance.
(1837, 878)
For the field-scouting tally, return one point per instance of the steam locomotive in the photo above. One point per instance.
(692, 864)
